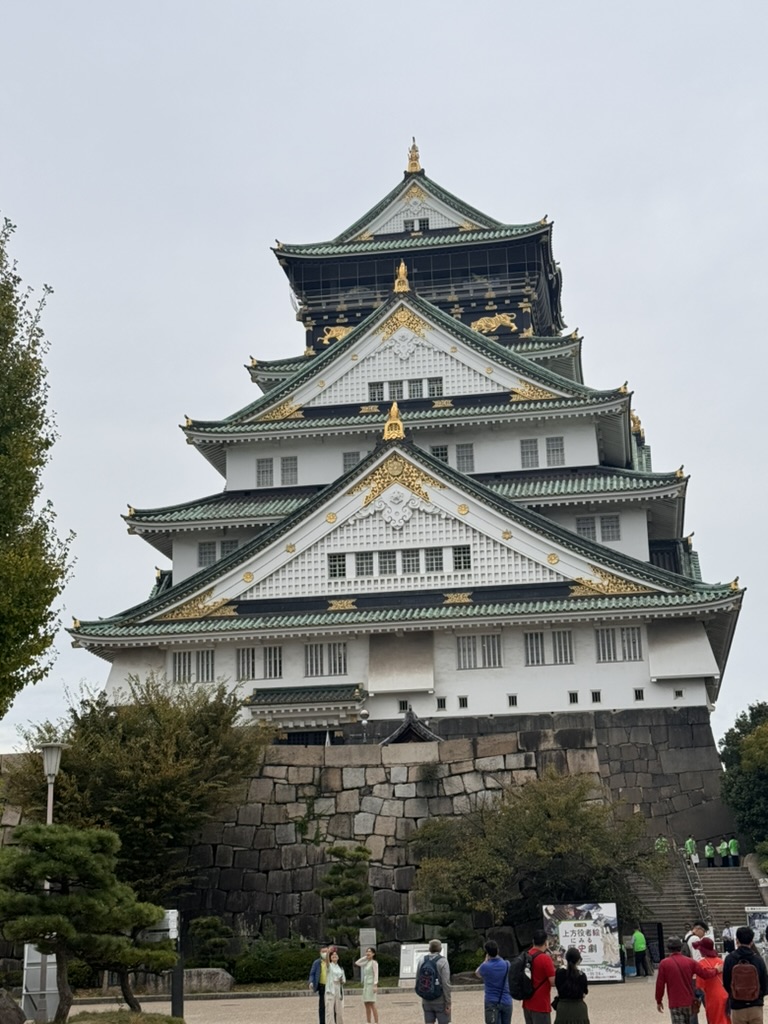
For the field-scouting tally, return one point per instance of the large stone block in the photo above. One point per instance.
(271, 860)
(439, 806)
(324, 805)
(494, 763)
(302, 774)
(398, 773)
(385, 901)
(555, 759)
(302, 879)
(287, 904)
(293, 857)
(574, 737)
(231, 878)
(201, 857)
(375, 775)
(275, 813)
(247, 859)
(371, 804)
(279, 881)
(260, 791)
(688, 760)
(453, 784)
(407, 930)
(264, 839)
(380, 877)
(353, 756)
(473, 782)
(254, 881)
(394, 855)
(385, 826)
(405, 789)
(581, 761)
(239, 835)
(330, 779)
(348, 801)
(495, 746)
(409, 753)
(224, 856)
(290, 755)
(416, 808)
(279, 772)
(250, 814)
(363, 824)
(543, 739)
(691, 781)
(377, 846)
(404, 828)
(382, 790)
(456, 750)
(311, 903)
(340, 826)
(404, 879)
(285, 834)
(353, 778)
(284, 794)
(392, 808)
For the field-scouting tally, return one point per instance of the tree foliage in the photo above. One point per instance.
(84, 912)
(153, 767)
(33, 561)
(555, 840)
(744, 752)
(347, 892)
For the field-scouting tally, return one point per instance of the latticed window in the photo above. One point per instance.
(439, 451)
(440, 703)
(273, 662)
(433, 560)
(408, 225)
(511, 700)
(534, 648)
(364, 563)
(585, 527)
(555, 451)
(631, 646)
(529, 453)
(411, 560)
(289, 470)
(423, 223)
(206, 553)
(465, 458)
(204, 671)
(573, 697)
(490, 650)
(376, 391)
(337, 659)
(337, 565)
(463, 702)
(562, 647)
(313, 660)
(246, 663)
(228, 547)
(416, 388)
(466, 651)
(325, 659)
(640, 694)
(182, 666)
(395, 391)
(610, 528)
(265, 476)
(462, 558)
(402, 705)
(597, 697)
(387, 563)
(605, 640)
(434, 387)
(349, 460)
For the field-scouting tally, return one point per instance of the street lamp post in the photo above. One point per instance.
(51, 763)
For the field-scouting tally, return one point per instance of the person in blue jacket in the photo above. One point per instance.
(317, 976)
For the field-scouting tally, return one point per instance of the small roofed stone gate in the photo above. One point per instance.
(262, 860)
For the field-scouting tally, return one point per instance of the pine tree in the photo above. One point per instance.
(347, 892)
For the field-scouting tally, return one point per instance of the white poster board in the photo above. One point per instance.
(757, 919)
(593, 929)
(410, 958)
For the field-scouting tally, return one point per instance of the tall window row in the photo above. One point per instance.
(210, 551)
(397, 390)
(556, 647)
(288, 466)
(407, 562)
(531, 452)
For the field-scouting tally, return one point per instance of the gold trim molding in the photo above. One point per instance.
(342, 604)
(606, 583)
(287, 411)
(402, 317)
(530, 393)
(458, 597)
(200, 607)
(395, 470)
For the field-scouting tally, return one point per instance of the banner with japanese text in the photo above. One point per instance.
(593, 929)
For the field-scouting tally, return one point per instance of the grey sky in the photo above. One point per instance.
(152, 152)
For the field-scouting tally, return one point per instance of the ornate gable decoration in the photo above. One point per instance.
(395, 470)
(606, 583)
(402, 317)
(530, 393)
(200, 607)
(285, 411)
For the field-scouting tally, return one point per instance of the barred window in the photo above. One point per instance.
(182, 666)
(204, 666)
(529, 453)
(273, 662)
(439, 451)
(555, 451)
(433, 560)
(337, 565)
(463, 702)
(631, 646)
(289, 470)
(228, 547)
(585, 527)
(490, 650)
(562, 647)
(337, 659)
(466, 651)
(416, 388)
(465, 458)
(395, 391)
(597, 697)
(402, 705)
(462, 558)
(264, 473)
(411, 560)
(606, 644)
(364, 563)
(206, 553)
(246, 663)
(573, 697)
(376, 391)
(610, 528)
(434, 387)
(313, 660)
(440, 703)
(534, 648)
(387, 563)
(349, 460)
(640, 694)
(423, 223)
(511, 700)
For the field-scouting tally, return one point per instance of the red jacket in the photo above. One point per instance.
(676, 972)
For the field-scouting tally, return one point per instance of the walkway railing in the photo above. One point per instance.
(694, 880)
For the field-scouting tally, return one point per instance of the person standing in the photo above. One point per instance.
(729, 938)
(715, 996)
(438, 1011)
(317, 978)
(733, 850)
(538, 1008)
(709, 853)
(640, 946)
(690, 848)
(334, 989)
(745, 1010)
(675, 975)
(724, 851)
(494, 973)
(571, 985)
(662, 844)
(369, 975)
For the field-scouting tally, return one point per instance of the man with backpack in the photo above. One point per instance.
(745, 979)
(433, 985)
(531, 977)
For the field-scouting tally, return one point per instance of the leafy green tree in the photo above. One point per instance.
(347, 892)
(33, 561)
(153, 767)
(744, 753)
(554, 840)
(210, 942)
(83, 912)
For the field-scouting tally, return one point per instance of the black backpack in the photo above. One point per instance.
(521, 976)
(428, 985)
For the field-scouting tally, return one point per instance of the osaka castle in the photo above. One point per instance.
(426, 511)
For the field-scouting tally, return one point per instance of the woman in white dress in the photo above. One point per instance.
(334, 990)
(369, 975)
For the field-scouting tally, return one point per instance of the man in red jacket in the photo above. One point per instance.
(676, 974)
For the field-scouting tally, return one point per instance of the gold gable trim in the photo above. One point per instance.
(200, 607)
(606, 583)
(395, 470)
(530, 393)
(402, 317)
(287, 411)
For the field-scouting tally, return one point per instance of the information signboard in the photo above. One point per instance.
(593, 929)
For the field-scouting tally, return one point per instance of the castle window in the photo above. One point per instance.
(411, 560)
(204, 666)
(529, 453)
(490, 649)
(364, 563)
(402, 706)
(465, 458)
(246, 663)
(314, 660)
(534, 648)
(349, 460)
(423, 223)
(337, 659)
(273, 662)
(387, 563)
(586, 528)
(597, 697)
(416, 388)
(640, 694)
(289, 470)
(376, 391)
(463, 702)
(678, 694)
(434, 387)
(466, 651)
(433, 560)
(511, 700)
(325, 659)
(462, 558)
(439, 451)
(555, 451)
(206, 553)
(605, 640)
(182, 666)
(440, 703)
(562, 647)
(408, 225)
(228, 547)
(610, 528)
(264, 473)
(337, 566)
(573, 697)
(631, 646)
(395, 391)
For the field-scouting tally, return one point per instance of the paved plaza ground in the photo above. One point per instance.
(630, 1003)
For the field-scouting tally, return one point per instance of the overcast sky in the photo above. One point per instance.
(153, 151)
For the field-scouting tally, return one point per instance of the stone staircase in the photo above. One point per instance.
(728, 891)
(675, 905)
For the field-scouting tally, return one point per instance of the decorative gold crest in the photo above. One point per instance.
(458, 597)
(606, 583)
(486, 324)
(342, 604)
(287, 411)
(506, 535)
(200, 607)
(247, 577)
(366, 236)
(442, 403)
(414, 192)
(462, 509)
(395, 470)
(401, 278)
(553, 559)
(402, 317)
(331, 517)
(414, 164)
(369, 408)
(290, 548)
(334, 333)
(393, 428)
(530, 393)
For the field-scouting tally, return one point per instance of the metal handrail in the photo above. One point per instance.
(694, 880)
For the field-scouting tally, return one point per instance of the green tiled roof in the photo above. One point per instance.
(222, 506)
(430, 240)
(303, 695)
(595, 481)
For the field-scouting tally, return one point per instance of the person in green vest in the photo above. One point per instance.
(690, 847)
(709, 853)
(640, 946)
(733, 850)
(724, 850)
(662, 844)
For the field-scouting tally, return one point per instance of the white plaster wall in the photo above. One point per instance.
(185, 548)
(134, 663)
(634, 524)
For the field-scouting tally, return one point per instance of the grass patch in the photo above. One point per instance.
(124, 1017)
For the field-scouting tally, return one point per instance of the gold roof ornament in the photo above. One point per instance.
(187, 421)
(131, 511)
(401, 278)
(734, 584)
(624, 388)
(679, 473)
(75, 623)
(414, 164)
(393, 428)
